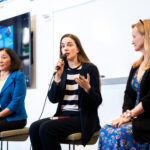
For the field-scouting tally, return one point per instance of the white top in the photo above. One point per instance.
(2, 82)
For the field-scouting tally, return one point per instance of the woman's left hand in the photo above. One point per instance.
(120, 121)
(84, 83)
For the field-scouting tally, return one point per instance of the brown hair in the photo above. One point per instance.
(82, 57)
(16, 63)
(144, 29)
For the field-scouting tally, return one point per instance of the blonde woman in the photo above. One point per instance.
(132, 129)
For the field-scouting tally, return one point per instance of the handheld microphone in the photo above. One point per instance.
(63, 58)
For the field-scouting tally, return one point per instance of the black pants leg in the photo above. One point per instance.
(11, 125)
(34, 134)
(46, 134)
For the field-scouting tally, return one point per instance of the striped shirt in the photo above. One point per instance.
(70, 104)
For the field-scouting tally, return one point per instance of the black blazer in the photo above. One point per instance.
(141, 125)
(88, 103)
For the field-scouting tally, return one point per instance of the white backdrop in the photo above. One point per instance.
(116, 15)
(104, 28)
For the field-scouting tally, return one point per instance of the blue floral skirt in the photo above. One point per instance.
(121, 138)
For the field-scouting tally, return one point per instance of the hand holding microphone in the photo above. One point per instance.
(59, 63)
(59, 68)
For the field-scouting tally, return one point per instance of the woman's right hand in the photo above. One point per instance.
(60, 64)
(120, 121)
(116, 122)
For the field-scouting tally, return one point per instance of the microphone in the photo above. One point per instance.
(63, 58)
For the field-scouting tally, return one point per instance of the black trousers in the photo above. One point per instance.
(46, 134)
(10, 125)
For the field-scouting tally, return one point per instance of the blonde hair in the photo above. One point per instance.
(144, 29)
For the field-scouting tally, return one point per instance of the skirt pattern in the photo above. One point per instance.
(121, 138)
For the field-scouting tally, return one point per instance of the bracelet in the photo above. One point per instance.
(130, 116)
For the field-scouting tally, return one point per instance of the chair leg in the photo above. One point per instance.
(7, 145)
(1, 145)
(73, 146)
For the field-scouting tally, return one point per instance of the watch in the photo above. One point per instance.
(130, 116)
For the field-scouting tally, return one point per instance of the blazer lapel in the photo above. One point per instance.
(9, 80)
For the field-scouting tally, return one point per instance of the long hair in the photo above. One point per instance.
(81, 56)
(144, 29)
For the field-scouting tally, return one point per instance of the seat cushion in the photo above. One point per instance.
(76, 138)
(14, 135)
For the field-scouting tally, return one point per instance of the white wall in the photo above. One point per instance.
(42, 23)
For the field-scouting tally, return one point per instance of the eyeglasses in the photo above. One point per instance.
(141, 22)
(143, 25)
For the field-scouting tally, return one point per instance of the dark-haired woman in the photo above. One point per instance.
(76, 89)
(12, 91)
